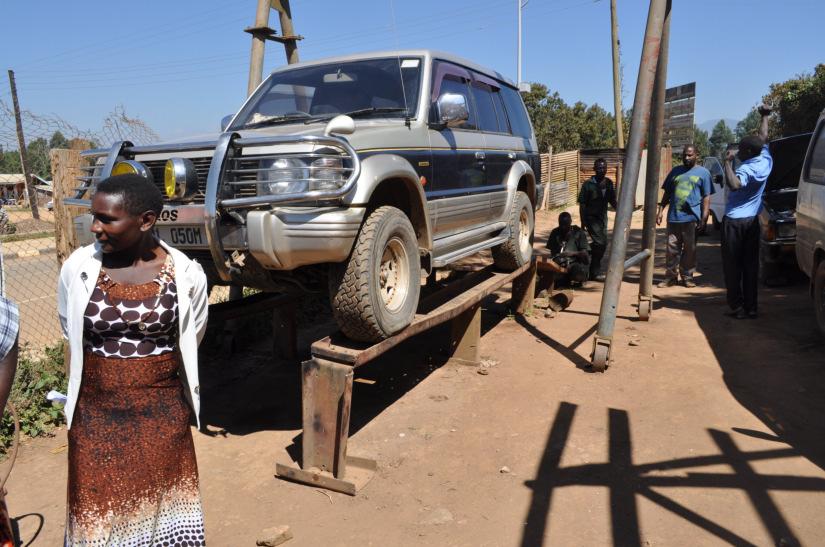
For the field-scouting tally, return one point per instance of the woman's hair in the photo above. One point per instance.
(139, 195)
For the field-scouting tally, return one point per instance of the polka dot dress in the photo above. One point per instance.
(133, 478)
(119, 323)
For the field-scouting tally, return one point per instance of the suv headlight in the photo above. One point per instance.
(298, 175)
(284, 176)
(327, 174)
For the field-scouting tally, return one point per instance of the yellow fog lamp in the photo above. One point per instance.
(131, 167)
(180, 179)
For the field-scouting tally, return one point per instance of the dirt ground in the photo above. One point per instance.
(705, 431)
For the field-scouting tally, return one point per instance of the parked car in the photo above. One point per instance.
(810, 219)
(362, 172)
(777, 220)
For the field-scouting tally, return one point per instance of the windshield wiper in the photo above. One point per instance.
(274, 120)
(360, 112)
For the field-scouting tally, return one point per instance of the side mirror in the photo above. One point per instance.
(718, 179)
(452, 109)
(341, 124)
(225, 121)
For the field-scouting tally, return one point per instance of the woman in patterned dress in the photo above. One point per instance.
(133, 311)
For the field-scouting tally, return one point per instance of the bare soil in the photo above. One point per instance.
(705, 431)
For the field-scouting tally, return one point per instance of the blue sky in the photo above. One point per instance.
(181, 65)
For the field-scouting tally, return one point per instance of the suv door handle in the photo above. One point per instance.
(481, 156)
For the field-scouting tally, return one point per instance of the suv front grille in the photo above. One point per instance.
(202, 169)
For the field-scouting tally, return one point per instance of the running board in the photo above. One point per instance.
(443, 260)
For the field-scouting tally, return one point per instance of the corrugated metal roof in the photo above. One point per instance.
(12, 178)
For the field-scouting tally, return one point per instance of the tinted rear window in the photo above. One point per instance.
(519, 123)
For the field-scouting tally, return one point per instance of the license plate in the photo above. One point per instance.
(183, 236)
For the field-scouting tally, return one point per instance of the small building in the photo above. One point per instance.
(13, 186)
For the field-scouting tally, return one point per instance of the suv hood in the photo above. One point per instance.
(788, 155)
(367, 132)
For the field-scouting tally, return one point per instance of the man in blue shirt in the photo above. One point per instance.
(740, 227)
(687, 191)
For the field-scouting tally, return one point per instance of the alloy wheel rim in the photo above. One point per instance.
(393, 275)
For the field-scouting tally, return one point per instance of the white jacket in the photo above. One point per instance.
(78, 278)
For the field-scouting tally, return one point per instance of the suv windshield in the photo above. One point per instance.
(386, 88)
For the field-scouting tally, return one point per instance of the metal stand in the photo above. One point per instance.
(327, 377)
(652, 54)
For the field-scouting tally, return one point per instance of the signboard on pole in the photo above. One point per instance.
(680, 104)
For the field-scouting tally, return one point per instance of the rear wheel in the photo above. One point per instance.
(819, 295)
(375, 293)
(518, 249)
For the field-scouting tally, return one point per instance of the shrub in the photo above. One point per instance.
(36, 376)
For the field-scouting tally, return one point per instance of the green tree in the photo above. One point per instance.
(749, 125)
(568, 127)
(58, 140)
(37, 152)
(720, 137)
(9, 161)
(797, 103)
(701, 142)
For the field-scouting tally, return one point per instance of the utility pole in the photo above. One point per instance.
(259, 34)
(288, 37)
(262, 32)
(520, 4)
(21, 144)
(617, 77)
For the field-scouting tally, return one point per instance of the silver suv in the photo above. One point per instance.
(363, 172)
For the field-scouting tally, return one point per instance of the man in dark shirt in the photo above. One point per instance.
(596, 194)
(570, 249)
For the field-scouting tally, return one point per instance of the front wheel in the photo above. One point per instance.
(819, 295)
(518, 249)
(374, 294)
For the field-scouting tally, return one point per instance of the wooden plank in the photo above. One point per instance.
(466, 336)
(327, 398)
(257, 303)
(339, 348)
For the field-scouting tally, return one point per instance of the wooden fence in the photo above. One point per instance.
(563, 173)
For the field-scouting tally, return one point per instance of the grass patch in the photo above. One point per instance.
(36, 376)
(25, 237)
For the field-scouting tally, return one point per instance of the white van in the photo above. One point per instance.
(810, 219)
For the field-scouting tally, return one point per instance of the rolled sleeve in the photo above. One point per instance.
(744, 174)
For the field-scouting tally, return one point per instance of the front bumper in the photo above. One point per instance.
(282, 231)
(286, 238)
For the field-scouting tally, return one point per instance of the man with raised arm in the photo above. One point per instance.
(740, 227)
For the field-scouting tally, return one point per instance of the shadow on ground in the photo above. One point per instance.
(626, 480)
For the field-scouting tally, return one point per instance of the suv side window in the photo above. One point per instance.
(501, 113)
(458, 85)
(815, 170)
(516, 112)
(486, 111)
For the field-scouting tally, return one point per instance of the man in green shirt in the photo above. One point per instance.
(596, 194)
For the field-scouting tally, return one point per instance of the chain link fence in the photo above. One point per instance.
(29, 274)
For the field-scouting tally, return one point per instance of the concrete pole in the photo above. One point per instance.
(654, 163)
(518, 78)
(617, 76)
(287, 30)
(256, 58)
(633, 158)
(21, 145)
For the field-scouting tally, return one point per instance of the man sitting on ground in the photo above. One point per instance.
(570, 252)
